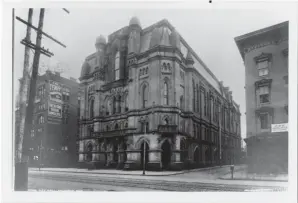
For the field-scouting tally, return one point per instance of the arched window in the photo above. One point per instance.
(197, 99)
(181, 102)
(166, 121)
(107, 128)
(144, 96)
(194, 96)
(116, 126)
(195, 131)
(169, 67)
(166, 94)
(119, 104)
(91, 108)
(117, 66)
(114, 105)
(89, 152)
(126, 103)
(41, 119)
(164, 66)
(183, 150)
(126, 125)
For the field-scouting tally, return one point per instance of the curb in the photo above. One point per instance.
(156, 175)
(269, 180)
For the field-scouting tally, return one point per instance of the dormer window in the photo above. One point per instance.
(117, 66)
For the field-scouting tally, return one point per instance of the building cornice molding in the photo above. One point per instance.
(263, 44)
(263, 57)
(263, 82)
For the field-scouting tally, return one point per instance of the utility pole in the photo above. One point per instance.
(220, 121)
(144, 150)
(23, 92)
(21, 170)
(21, 183)
(30, 107)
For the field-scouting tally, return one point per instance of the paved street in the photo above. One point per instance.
(193, 181)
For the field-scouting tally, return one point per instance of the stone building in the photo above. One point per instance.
(265, 56)
(52, 140)
(147, 87)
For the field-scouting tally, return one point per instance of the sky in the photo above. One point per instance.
(210, 33)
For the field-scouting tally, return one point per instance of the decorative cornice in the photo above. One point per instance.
(263, 57)
(259, 45)
(263, 82)
(264, 109)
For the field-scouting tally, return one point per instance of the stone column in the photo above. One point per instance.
(176, 163)
(154, 162)
(120, 152)
(110, 156)
(133, 155)
(133, 160)
(96, 105)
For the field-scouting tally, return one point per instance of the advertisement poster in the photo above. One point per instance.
(55, 91)
(282, 127)
(55, 110)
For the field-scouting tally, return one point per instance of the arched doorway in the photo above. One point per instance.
(196, 155)
(89, 152)
(207, 156)
(115, 153)
(166, 154)
(146, 154)
(124, 152)
(183, 154)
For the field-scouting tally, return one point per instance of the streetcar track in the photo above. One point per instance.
(153, 184)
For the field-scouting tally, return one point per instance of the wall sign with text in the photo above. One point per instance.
(55, 91)
(282, 127)
(55, 110)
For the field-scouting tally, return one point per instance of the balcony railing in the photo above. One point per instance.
(167, 129)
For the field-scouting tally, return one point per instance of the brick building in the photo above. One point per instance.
(148, 87)
(265, 56)
(55, 119)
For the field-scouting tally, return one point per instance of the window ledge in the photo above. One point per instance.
(144, 76)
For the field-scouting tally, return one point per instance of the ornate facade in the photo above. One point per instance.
(148, 87)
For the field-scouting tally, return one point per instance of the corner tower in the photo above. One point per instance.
(134, 38)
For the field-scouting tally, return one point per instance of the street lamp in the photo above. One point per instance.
(40, 152)
(144, 148)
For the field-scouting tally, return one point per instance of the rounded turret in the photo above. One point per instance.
(134, 21)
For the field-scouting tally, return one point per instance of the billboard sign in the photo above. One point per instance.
(55, 91)
(282, 127)
(55, 110)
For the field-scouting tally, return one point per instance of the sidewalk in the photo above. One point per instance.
(136, 173)
(242, 175)
(194, 177)
(108, 171)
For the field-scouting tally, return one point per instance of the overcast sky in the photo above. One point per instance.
(209, 32)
